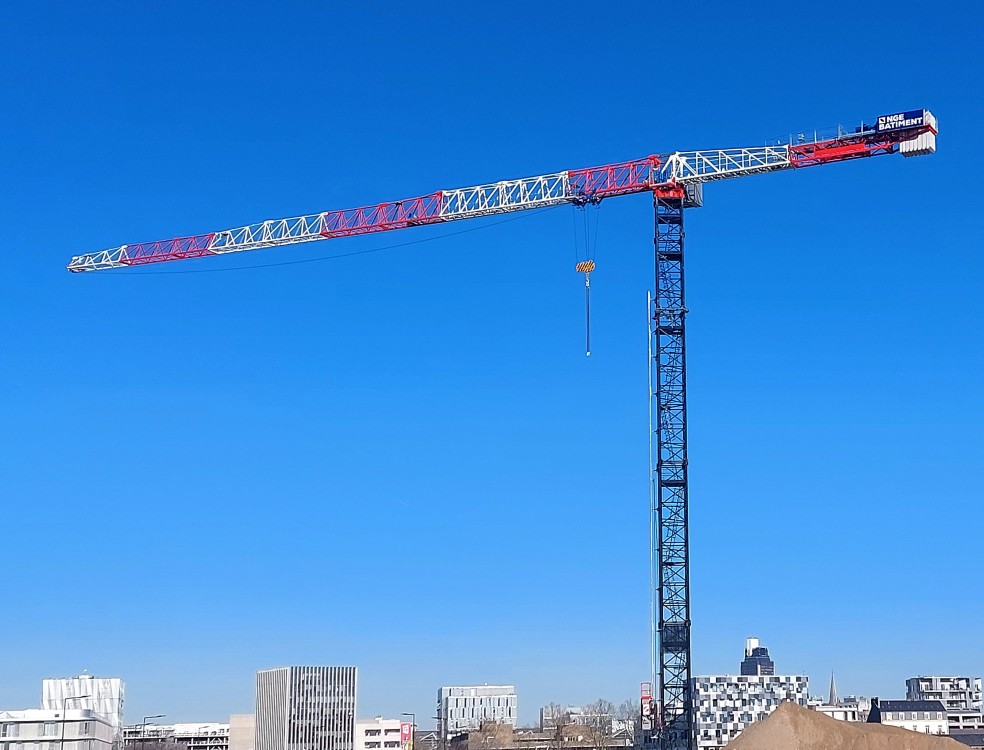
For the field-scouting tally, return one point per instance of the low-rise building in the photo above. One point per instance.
(554, 715)
(493, 736)
(859, 702)
(841, 713)
(43, 729)
(187, 736)
(926, 717)
(379, 734)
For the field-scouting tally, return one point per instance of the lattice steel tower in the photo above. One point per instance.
(670, 553)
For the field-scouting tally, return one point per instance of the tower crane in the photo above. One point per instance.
(676, 183)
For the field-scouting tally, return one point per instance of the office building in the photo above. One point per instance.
(306, 708)
(757, 661)
(926, 717)
(463, 708)
(44, 729)
(104, 695)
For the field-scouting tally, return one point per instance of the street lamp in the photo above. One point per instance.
(143, 728)
(413, 729)
(61, 744)
(441, 727)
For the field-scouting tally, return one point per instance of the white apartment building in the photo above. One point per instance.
(960, 696)
(306, 708)
(726, 704)
(104, 695)
(41, 729)
(925, 717)
(381, 734)
(463, 708)
(955, 693)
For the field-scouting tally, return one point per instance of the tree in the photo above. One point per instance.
(628, 710)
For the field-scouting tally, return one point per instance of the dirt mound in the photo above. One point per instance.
(792, 727)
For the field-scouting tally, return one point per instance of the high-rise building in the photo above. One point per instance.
(724, 705)
(104, 695)
(306, 708)
(757, 661)
(461, 708)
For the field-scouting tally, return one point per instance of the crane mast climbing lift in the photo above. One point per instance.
(676, 183)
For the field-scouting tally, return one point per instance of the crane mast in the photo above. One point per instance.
(675, 181)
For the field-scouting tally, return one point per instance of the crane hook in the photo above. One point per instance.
(586, 267)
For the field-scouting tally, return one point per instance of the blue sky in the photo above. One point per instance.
(402, 460)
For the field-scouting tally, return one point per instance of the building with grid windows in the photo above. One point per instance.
(306, 708)
(464, 708)
(725, 705)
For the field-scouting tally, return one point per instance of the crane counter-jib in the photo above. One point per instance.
(912, 133)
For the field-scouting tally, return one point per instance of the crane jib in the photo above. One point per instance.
(912, 133)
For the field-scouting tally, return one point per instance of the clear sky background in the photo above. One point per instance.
(403, 460)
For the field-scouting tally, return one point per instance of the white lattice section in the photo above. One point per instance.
(98, 261)
(720, 164)
(269, 234)
(508, 195)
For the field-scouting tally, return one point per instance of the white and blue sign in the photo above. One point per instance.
(911, 119)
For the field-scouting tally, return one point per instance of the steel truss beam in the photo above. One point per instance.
(670, 556)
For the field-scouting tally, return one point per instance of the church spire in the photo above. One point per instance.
(834, 699)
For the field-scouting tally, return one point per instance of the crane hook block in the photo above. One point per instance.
(585, 266)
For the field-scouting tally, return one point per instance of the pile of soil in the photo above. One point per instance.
(793, 727)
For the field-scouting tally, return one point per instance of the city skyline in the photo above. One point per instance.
(529, 713)
(401, 459)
